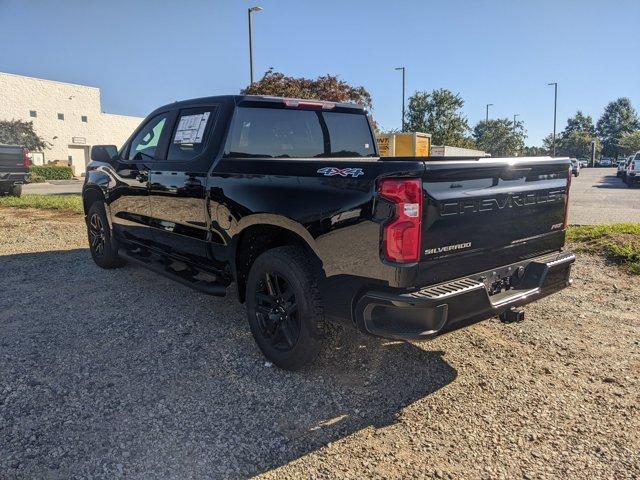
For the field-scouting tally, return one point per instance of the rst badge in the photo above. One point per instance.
(342, 172)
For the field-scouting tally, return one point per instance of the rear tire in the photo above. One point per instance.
(284, 307)
(15, 191)
(102, 245)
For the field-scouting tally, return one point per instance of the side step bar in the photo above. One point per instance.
(158, 266)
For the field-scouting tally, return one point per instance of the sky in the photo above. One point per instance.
(146, 53)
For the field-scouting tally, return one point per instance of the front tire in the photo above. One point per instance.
(284, 307)
(102, 245)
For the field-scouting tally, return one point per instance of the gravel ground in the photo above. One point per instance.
(121, 373)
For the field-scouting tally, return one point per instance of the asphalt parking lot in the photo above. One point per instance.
(598, 197)
(124, 374)
(53, 187)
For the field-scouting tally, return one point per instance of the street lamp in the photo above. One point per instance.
(514, 119)
(403, 85)
(486, 118)
(555, 109)
(249, 12)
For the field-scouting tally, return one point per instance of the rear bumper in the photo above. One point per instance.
(451, 305)
(10, 179)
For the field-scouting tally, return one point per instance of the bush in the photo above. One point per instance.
(36, 178)
(52, 172)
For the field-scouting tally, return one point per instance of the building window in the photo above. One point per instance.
(61, 116)
(84, 118)
(33, 113)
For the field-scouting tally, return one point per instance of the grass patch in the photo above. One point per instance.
(69, 203)
(619, 243)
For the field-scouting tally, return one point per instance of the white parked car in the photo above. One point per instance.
(605, 162)
(622, 164)
(632, 171)
(575, 167)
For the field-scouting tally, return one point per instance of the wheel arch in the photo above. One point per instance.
(90, 195)
(262, 234)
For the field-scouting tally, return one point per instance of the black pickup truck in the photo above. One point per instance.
(289, 200)
(14, 169)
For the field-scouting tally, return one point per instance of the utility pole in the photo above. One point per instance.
(486, 118)
(555, 110)
(403, 95)
(249, 12)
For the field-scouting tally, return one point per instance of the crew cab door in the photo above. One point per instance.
(129, 199)
(177, 186)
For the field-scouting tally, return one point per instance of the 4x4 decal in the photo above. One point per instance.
(343, 172)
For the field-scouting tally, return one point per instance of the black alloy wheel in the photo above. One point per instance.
(102, 245)
(97, 236)
(284, 306)
(277, 311)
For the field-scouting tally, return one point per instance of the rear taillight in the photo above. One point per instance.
(401, 236)
(566, 205)
(25, 158)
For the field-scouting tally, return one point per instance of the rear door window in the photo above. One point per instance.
(191, 133)
(275, 133)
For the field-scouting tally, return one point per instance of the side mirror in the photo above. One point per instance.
(104, 153)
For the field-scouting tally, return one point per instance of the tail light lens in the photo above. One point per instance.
(401, 236)
(25, 158)
(566, 206)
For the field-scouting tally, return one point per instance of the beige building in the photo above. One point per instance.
(67, 115)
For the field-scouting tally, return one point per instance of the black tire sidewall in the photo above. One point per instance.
(110, 258)
(286, 262)
(15, 191)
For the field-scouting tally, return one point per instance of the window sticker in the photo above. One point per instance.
(191, 128)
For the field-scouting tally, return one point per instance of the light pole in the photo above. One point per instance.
(249, 11)
(403, 85)
(555, 109)
(486, 117)
(514, 119)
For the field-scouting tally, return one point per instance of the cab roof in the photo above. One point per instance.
(261, 100)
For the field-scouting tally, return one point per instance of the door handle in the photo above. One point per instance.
(142, 176)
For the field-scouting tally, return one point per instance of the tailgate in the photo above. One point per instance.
(11, 160)
(481, 214)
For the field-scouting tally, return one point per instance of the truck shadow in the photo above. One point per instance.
(133, 375)
(611, 181)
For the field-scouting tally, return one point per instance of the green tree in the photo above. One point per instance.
(327, 87)
(577, 144)
(547, 144)
(580, 123)
(17, 132)
(534, 151)
(630, 143)
(619, 118)
(438, 113)
(500, 137)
